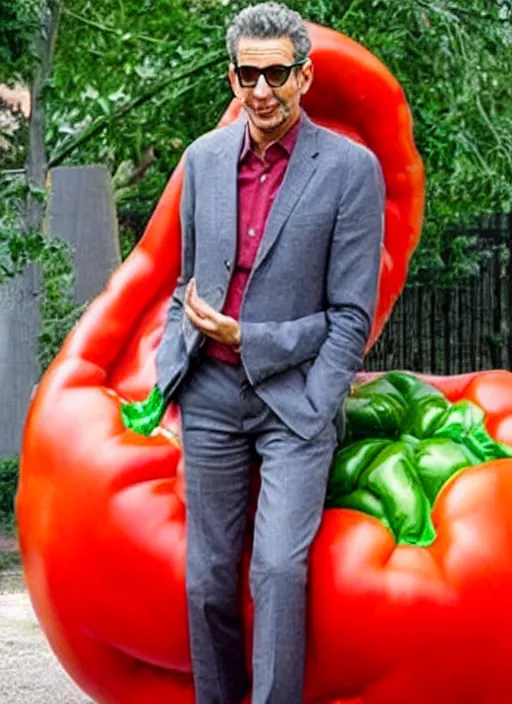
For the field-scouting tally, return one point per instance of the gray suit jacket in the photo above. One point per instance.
(307, 310)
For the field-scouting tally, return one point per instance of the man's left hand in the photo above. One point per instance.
(209, 321)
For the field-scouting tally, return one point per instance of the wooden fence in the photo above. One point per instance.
(455, 329)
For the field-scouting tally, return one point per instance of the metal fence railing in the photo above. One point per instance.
(459, 328)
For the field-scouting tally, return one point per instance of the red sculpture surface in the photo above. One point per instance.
(101, 510)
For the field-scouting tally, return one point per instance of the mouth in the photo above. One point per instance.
(266, 112)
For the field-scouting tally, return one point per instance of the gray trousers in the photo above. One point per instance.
(224, 423)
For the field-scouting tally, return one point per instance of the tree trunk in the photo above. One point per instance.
(37, 162)
(19, 307)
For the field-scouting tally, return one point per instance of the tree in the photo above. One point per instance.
(454, 62)
(135, 82)
(27, 51)
(19, 19)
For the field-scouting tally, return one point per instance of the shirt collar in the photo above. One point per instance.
(287, 141)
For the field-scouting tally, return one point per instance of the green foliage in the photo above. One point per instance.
(13, 141)
(59, 312)
(19, 244)
(113, 84)
(127, 239)
(18, 21)
(8, 484)
(454, 62)
(19, 248)
(106, 58)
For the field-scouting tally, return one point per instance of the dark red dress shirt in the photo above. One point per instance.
(259, 179)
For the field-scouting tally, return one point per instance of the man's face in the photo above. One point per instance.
(271, 109)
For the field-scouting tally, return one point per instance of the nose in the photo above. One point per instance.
(262, 88)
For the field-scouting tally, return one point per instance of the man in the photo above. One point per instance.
(282, 230)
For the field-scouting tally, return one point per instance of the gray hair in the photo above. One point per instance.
(269, 20)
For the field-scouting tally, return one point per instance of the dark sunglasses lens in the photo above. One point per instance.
(248, 75)
(276, 75)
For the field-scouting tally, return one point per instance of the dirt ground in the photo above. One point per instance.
(29, 671)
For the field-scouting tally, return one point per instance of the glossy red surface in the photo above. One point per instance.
(101, 510)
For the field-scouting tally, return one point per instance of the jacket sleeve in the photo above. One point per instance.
(352, 280)
(174, 321)
(273, 347)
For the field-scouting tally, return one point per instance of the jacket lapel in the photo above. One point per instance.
(225, 187)
(301, 167)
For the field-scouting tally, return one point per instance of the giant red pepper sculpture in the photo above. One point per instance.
(397, 614)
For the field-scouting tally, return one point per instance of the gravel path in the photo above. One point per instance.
(29, 671)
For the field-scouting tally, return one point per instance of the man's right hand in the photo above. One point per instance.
(207, 320)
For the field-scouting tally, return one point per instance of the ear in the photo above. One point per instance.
(233, 80)
(306, 77)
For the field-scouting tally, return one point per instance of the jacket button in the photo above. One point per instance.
(227, 264)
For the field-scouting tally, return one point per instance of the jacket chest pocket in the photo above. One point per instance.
(320, 220)
(310, 235)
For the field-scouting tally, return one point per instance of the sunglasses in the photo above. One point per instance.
(275, 75)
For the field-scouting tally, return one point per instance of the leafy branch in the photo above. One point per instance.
(115, 30)
(105, 120)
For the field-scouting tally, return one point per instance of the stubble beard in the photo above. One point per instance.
(269, 127)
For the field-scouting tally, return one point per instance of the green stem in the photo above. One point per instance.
(143, 416)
